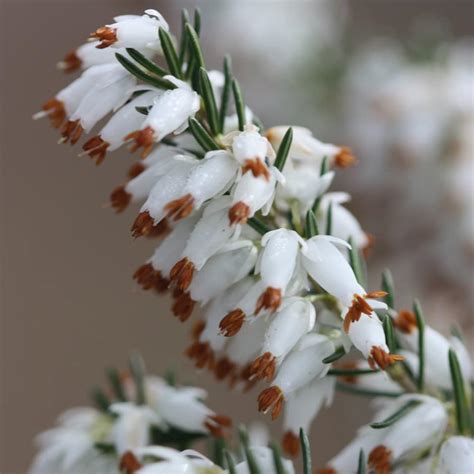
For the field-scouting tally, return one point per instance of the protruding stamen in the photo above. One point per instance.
(142, 138)
(381, 358)
(106, 35)
(96, 148)
(379, 459)
(257, 167)
(264, 367)
(145, 276)
(216, 424)
(224, 368)
(270, 299)
(182, 273)
(143, 224)
(56, 112)
(70, 63)
(359, 306)
(159, 230)
(369, 245)
(202, 353)
(180, 208)
(268, 397)
(135, 170)
(71, 131)
(405, 321)
(120, 198)
(239, 213)
(231, 324)
(197, 329)
(290, 444)
(345, 158)
(183, 306)
(129, 463)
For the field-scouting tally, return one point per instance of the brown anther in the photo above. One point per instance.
(71, 62)
(183, 306)
(182, 273)
(232, 322)
(129, 463)
(142, 138)
(202, 353)
(143, 224)
(359, 306)
(56, 112)
(375, 294)
(378, 357)
(405, 321)
(245, 376)
(264, 367)
(270, 299)
(351, 365)
(96, 148)
(326, 470)
(180, 208)
(345, 158)
(120, 198)
(239, 213)
(106, 35)
(224, 368)
(145, 276)
(135, 170)
(257, 167)
(72, 131)
(369, 245)
(160, 229)
(160, 283)
(271, 396)
(197, 329)
(379, 459)
(216, 424)
(290, 444)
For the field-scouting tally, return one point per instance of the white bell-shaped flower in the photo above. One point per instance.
(87, 55)
(169, 113)
(456, 456)
(301, 366)
(250, 149)
(295, 318)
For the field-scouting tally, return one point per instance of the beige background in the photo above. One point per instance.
(69, 306)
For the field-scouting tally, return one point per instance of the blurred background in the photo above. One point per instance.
(392, 79)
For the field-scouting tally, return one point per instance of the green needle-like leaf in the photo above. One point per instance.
(349, 388)
(284, 149)
(324, 166)
(311, 226)
(239, 104)
(336, 355)
(183, 45)
(116, 384)
(277, 460)
(251, 461)
(195, 46)
(225, 92)
(329, 220)
(137, 368)
(197, 20)
(169, 52)
(355, 260)
(258, 225)
(460, 398)
(100, 399)
(209, 101)
(400, 413)
(202, 136)
(420, 322)
(351, 372)
(146, 63)
(306, 452)
(219, 448)
(230, 462)
(142, 75)
(389, 333)
(388, 287)
(362, 463)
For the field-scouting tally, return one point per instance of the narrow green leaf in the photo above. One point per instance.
(389, 333)
(170, 377)
(209, 101)
(351, 372)
(388, 287)
(456, 332)
(258, 225)
(142, 75)
(344, 387)
(195, 46)
(336, 355)
(460, 398)
(183, 44)
(146, 63)
(329, 220)
(225, 92)
(239, 104)
(219, 448)
(277, 461)
(306, 452)
(362, 463)
(202, 136)
(137, 368)
(355, 260)
(251, 461)
(400, 413)
(420, 322)
(143, 110)
(105, 448)
(169, 52)
(284, 149)
(197, 21)
(116, 384)
(258, 123)
(324, 166)
(100, 399)
(230, 462)
(311, 226)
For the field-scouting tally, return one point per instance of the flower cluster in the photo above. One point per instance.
(248, 231)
